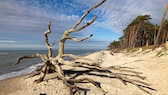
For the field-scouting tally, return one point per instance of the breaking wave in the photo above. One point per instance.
(21, 72)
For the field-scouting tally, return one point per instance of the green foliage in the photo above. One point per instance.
(137, 36)
(114, 45)
(140, 32)
(143, 18)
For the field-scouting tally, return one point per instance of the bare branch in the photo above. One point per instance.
(55, 64)
(86, 79)
(86, 13)
(43, 57)
(87, 24)
(80, 40)
(66, 33)
(46, 40)
(46, 34)
(43, 74)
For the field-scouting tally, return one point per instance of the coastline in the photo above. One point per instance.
(8, 69)
(13, 84)
(153, 65)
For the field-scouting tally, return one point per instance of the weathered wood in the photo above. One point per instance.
(75, 29)
(55, 63)
(46, 40)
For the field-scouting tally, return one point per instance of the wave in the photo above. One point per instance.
(21, 72)
(5, 53)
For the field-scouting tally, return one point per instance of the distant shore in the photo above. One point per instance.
(153, 65)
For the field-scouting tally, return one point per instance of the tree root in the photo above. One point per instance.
(125, 75)
(51, 64)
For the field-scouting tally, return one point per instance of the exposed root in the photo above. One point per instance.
(125, 76)
(52, 64)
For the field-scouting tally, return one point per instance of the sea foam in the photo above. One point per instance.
(21, 72)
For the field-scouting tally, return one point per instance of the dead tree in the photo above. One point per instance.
(160, 28)
(54, 64)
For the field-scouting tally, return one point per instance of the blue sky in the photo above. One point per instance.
(23, 22)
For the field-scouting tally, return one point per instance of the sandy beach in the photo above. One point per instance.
(153, 65)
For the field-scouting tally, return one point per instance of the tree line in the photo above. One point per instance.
(141, 32)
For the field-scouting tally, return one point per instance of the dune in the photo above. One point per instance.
(152, 64)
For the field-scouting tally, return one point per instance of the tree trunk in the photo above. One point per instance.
(164, 36)
(167, 37)
(72, 79)
(134, 38)
(160, 28)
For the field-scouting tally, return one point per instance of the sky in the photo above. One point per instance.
(23, 22)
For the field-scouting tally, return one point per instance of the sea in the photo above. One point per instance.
(8, 59)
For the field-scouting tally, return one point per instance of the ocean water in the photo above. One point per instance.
(8, 59)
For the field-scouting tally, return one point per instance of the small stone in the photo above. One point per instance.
(42, 93)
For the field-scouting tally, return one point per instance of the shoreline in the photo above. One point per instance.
(8, 69)
(153, 65)
(10, 85)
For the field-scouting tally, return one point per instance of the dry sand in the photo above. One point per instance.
(153, 65)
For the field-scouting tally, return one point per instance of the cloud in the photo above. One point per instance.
(117, 14)
(19, 15)
(25, 21)
(7, 41)
(22, 22)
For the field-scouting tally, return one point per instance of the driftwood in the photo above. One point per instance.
(54, 64)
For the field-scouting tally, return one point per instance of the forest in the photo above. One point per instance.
(141, 32)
